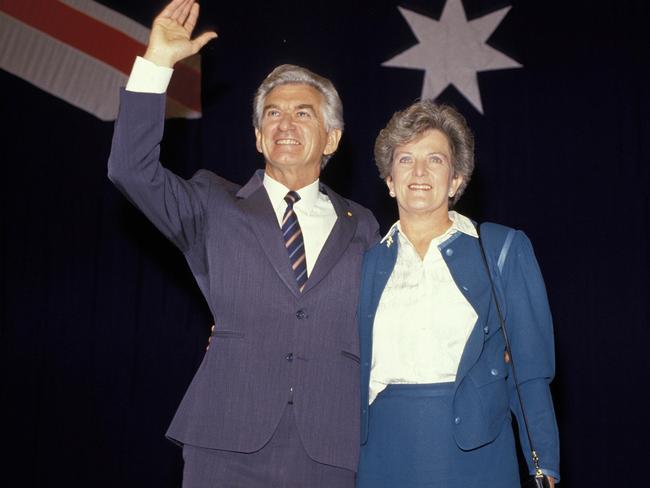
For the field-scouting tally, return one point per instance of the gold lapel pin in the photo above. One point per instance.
(349, 214)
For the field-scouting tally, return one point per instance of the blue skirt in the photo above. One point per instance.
(411, 444)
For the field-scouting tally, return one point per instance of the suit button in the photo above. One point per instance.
(289, 357)
(494, 372)
(486, 329)
(457, 420)
(300, 314)
(449, 251)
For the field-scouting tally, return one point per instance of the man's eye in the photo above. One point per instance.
(303, 114)
(272, 113)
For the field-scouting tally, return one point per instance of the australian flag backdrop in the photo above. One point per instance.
(102, 326)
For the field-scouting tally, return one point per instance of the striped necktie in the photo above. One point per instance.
(293, 240)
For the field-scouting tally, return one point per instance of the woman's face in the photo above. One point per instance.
(421, 177)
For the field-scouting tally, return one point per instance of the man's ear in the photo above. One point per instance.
(258, 140)
(333, 139)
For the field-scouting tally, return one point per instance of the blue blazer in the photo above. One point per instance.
(484, 392)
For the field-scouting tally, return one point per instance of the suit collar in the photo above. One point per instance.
(252, 185)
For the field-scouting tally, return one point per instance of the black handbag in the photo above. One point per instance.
(539, 479)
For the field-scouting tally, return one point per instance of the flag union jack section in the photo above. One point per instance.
(82, 52)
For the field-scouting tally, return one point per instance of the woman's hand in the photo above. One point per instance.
(170, 39)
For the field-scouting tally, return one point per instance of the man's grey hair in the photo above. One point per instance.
(290, 74)
(422, 116)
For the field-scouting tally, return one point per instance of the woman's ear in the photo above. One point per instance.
(456, 181)
(391, 187)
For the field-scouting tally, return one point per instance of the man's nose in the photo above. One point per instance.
(286, 122)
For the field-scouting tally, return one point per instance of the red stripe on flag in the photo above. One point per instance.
(99, 41)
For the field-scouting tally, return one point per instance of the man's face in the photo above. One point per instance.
(292, 134)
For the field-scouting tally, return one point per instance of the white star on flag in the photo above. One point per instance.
(452, 51)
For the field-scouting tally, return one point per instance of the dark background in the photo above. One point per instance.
(102, 324)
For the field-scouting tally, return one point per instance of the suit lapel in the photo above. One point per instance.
(254, 201)
(337, 242)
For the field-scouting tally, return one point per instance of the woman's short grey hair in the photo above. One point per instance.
(408, 124)
(290, 74)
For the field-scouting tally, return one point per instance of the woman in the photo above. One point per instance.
(436, 382)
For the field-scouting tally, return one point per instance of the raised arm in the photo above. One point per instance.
(175, 205)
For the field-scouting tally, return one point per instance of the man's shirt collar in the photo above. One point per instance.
(277, 191)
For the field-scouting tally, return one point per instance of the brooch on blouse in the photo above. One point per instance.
(389, 241)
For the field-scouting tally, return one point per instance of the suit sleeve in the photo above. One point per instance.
(174, 205)
(530, 329)
(373, 229)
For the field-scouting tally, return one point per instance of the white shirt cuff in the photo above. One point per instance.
(148, 77)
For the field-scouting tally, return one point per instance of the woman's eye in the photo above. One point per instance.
(405, 159)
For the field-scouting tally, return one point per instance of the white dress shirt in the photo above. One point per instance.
(423, 320)
(314, 210)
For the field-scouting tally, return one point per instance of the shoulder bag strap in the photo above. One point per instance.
(500, 262)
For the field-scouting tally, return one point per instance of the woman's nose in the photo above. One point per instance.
(420, 167)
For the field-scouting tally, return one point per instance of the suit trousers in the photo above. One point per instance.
(281, 463)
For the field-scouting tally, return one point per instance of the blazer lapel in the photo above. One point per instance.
(385, 265)
(257, 207)
(382, 259)
(337, 242)
(470, 281)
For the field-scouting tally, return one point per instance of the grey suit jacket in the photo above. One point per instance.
(269, 338)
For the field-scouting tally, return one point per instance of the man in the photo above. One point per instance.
(275, 401)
